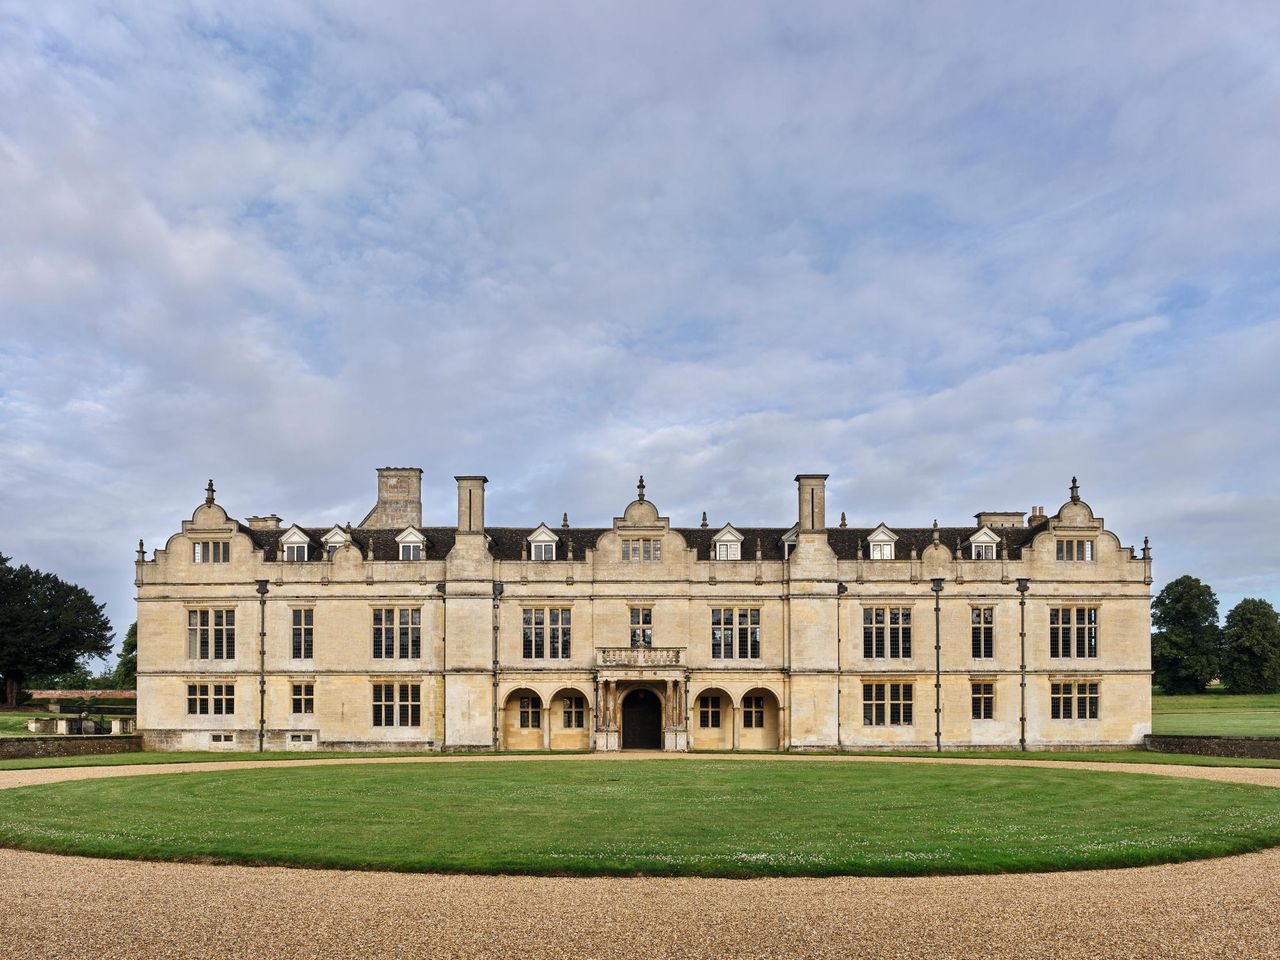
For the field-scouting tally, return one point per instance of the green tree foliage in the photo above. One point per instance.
(126, 673)
(1184, 647)
(1251, 648)
(47, 627)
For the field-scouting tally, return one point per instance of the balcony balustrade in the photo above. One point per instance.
(640, 656)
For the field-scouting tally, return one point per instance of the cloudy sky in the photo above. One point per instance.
(951, 254)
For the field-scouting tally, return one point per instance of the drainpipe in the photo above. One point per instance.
(262, 664)
(1023, 586)
(498, 589)
(936, 587)
(444, 667)
(841, 590)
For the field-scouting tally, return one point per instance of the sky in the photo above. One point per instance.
(951, 254)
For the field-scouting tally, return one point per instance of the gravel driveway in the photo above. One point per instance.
(71, 907)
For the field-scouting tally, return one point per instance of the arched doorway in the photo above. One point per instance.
(641, 721)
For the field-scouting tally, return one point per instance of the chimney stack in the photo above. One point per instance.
(399, 499)
(813, 501)
(471, 504)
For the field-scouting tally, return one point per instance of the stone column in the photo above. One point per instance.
(735, 713)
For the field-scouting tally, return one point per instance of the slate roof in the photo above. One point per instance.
(506, 542)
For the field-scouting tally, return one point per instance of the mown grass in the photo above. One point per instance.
(1217, 714)
(15, 724)
(704, 818)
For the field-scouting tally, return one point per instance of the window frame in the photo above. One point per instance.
(302, 698)
(546, 633)
(399, 639)
(211, 551)
(211, 637)
(302, 633)
(575, 711)
(753, 712)
(709, 711)
(982, 699)
(881, 636)
(883, 700)
(641, 549)
(641, 625)
(1068, 548)
(531, 712)
(397, 704)
(1078, 637)
(1075, 699)
(982, 632)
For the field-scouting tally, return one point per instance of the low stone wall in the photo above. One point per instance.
(1249, 748)
(16, 748)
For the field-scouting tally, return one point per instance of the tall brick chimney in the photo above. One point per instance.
(399, 499)
(471, 504)
(813, 501)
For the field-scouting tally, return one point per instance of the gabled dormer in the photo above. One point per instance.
(336, 538)
(984, 545)
(411, 544)
(727, 544)
(880, 543)
(542, 543)
(295, 545)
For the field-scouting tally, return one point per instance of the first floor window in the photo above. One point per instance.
(575, 713)
(1075, 700)
(197, 699)
(397, 704)
(304, 698)
(530, 713)
(886, 631)
(397, 631)
(546, 630)
(753, 712)
(708, 712)
(211, 634)
(1073, 631)
(303, 627)
(642, 626)
(984, 700)
(724, 633)
(983, 632)
(224, 699)
(887, 702)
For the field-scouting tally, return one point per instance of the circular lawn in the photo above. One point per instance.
(657, 817)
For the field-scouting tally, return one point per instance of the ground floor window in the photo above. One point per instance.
(887, 703)
(530, 713)
(753, 712)
(216, 698)
(197, 699)
(397, 704)
(708, 712)
(1077, 701)
(575, 713)
(303, 698)
(984, 700)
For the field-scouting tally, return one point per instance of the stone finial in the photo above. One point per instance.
(844, 523)
(936, 538)
(1004, 548)
(142, 551)
(348, 528)
(704, 519)
(858, 550)
(959, 547)
(759, 550)
(1146, 548)
(524, 549)
(570, 542)
(913, 552)
(564, 521)
(640, 489)
(208, 493)
(1075, 490)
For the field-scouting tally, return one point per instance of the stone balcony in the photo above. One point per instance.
(640, 656)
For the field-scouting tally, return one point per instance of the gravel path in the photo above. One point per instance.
(71, 908)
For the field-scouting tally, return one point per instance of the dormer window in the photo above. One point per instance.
(982, 545)
(727, 543)
(295, 553)
(335, 538)
(983, 551)
(881, 542)
(412, 544)
(542, 543)
(295, 545)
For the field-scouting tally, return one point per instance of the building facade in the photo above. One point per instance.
(1016, 629)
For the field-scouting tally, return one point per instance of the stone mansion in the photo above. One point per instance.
(1017, 629)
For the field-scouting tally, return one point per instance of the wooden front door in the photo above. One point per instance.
(641, 721)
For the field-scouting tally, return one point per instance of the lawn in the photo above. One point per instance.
(704, 817)
(1215, 713)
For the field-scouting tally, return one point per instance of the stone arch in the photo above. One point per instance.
(642, 709)
(562, 716)
(718, 712)
(524, 713)
(760, 719)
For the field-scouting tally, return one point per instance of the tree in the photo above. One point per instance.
(1251, 648)
(126, 675)
(47, 627)
(1184, 648)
